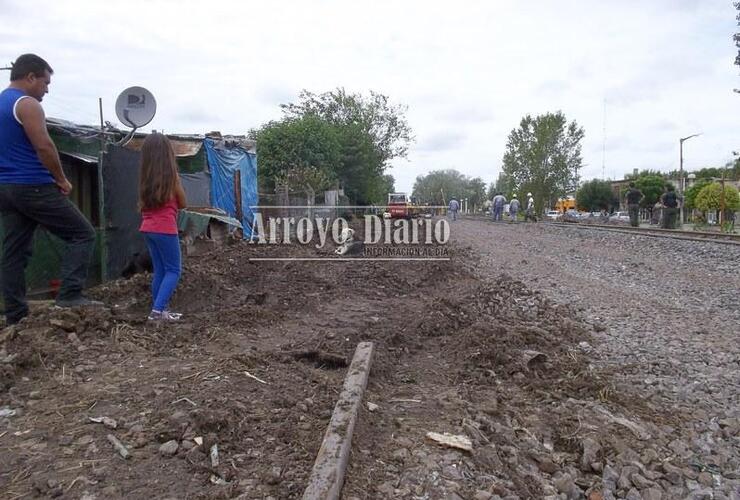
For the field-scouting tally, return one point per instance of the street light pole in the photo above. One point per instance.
(680, 173)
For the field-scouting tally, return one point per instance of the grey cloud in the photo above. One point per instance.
(196, 116)
(275, 94)
(469, 114)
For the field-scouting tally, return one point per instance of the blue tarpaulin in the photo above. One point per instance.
(223, 162)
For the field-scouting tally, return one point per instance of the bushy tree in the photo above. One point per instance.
(439, 186)
(689, 197)
(594, 195)
(652, 186)
(543, 155)
(385, 123)
(296, 147)
(335, 137)
(710, 198)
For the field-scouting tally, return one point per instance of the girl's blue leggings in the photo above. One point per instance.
(165, 252)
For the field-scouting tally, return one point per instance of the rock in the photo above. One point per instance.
(703, 494)
(705, 479)
(610, 477)
(451, 472)
(641, 482)
(187, 445)
(565, 484)
(401, 454)
(690, 473)
(371, 407)
(590, 453)
(649, 455)
(653, 493)
(65, 325)
(273, 476)
(595, 495)
(672, 473)
(633, 494)
(628, 456)
(625, 478)
(169, 448)
(386, 490)
(548, 466)
(404, 442)
(680, 448)
(482, 495)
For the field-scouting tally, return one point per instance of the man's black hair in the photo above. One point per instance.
(632, 184)
(29, 63)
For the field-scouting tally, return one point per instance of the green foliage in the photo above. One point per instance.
(594, 195)
(710, 198)
(439, 186)
(543, 155)
(383, 122)
(300, 146)
(689, 197)
(334, 138)
(648, 172)
(504, 184)
(652, 186)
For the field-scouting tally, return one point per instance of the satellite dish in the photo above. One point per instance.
(136, 107)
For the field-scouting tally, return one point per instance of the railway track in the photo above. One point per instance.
(723, 238)
(678, 234)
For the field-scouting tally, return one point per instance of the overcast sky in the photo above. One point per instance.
(467, 70)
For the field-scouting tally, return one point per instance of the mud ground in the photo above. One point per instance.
(545, 386)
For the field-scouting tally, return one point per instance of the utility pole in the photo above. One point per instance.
(680, 173)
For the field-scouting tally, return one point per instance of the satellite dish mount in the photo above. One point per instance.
(135, 107)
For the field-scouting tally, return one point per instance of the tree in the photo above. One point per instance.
(384, 122)
(543, 155)
(371, 131)
(439, 186)
(652, 186)
(294, 148)
(689, 197)
(504, 184)
(594, 195)
(710, 198)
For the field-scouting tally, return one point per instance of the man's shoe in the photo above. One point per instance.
(78, 302)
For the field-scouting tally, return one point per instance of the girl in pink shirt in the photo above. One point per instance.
(160, 196)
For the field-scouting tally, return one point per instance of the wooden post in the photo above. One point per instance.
(327, 476)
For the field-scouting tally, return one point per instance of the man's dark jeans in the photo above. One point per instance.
(23, 207)
(669, 218)
(634, 211)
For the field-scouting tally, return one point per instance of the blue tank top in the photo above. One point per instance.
(19, 163)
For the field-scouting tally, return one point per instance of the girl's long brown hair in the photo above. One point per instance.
(158, 175)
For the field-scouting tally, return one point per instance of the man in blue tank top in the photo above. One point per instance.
(33, 192)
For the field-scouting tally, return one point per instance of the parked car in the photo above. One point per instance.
(571, 216)
(619, 217)
(552, 215)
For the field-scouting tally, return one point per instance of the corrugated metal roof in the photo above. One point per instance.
(183, 148)
(90, 160)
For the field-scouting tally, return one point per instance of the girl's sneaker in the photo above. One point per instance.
(175, 316)
(163, 316)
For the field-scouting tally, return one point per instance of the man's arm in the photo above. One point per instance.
(31, 115)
